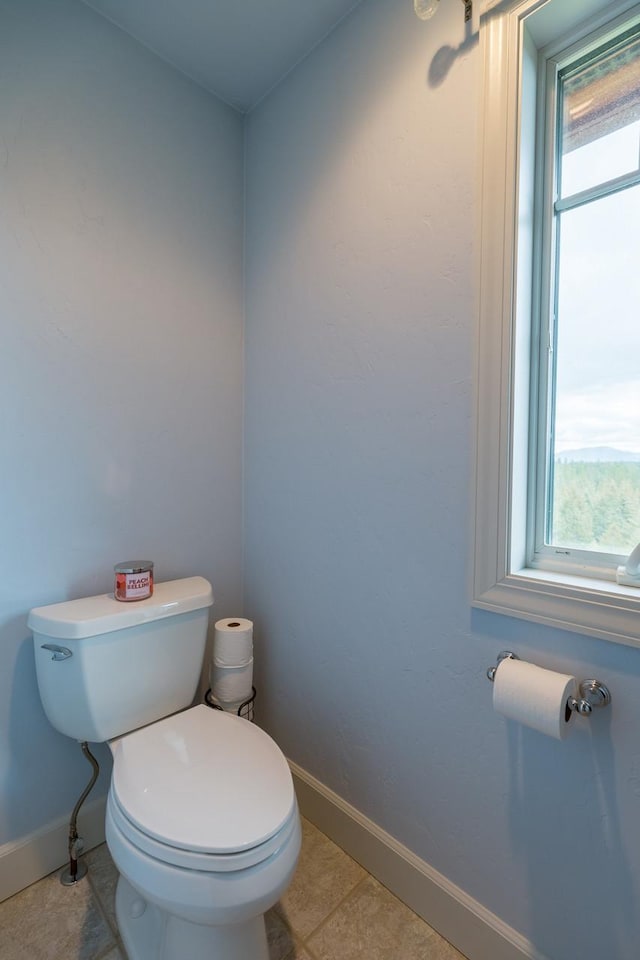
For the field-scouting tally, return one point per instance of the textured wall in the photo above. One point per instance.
(120, 216)
(120, 361)
(360, 327)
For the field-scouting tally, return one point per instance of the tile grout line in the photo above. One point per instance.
(97, 899)
(332, 912)
(108, 949)
(298, 944)
(307, 949)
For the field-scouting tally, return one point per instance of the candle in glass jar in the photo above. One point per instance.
(133, 580)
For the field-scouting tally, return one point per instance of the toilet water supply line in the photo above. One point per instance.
(76, 872)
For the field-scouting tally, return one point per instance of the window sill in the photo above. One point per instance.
(597, 608)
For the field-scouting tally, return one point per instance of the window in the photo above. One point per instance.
(558, 453)
(586, 434)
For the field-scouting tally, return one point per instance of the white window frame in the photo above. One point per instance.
(503, 581)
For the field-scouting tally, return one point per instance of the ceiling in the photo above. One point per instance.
(237, 49)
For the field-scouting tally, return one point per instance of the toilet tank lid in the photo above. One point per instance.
(90, 616)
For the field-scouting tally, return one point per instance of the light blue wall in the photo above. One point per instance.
(120, 354)
(360, 328)
(120, 255)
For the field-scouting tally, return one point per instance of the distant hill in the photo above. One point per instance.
(597, 455)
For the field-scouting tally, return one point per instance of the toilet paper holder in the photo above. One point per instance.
(593, 693)
(245, 710)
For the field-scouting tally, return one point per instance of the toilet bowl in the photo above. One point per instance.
(202, 820)
(202, 824)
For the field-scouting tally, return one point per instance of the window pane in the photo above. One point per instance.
(601, 120)
(594, 489)
(600, 160)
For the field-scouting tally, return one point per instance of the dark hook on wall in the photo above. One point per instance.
(425, 9)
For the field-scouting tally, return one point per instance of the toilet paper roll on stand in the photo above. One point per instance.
(231, 668)
(231, 685)
(233, 642)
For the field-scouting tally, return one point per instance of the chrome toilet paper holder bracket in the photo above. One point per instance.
(593, 693)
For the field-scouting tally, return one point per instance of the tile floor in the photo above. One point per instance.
(333, 910)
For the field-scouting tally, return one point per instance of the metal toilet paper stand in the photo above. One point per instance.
(593, 693)
(245, 710)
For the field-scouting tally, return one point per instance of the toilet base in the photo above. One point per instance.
(149, 933)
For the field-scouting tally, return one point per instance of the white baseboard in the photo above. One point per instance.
(471, 928)
(30, 858)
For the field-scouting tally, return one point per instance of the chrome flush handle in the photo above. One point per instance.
(59, 653)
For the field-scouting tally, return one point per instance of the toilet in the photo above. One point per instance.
(202, 820)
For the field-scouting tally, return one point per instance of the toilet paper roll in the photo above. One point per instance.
(233, 642)
(231, 684)
(534, 696)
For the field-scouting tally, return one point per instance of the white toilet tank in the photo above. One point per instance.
(119, 666)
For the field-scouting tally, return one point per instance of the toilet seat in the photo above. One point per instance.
(193, 860)
(202, 787)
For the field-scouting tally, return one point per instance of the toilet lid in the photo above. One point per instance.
(203, 780)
